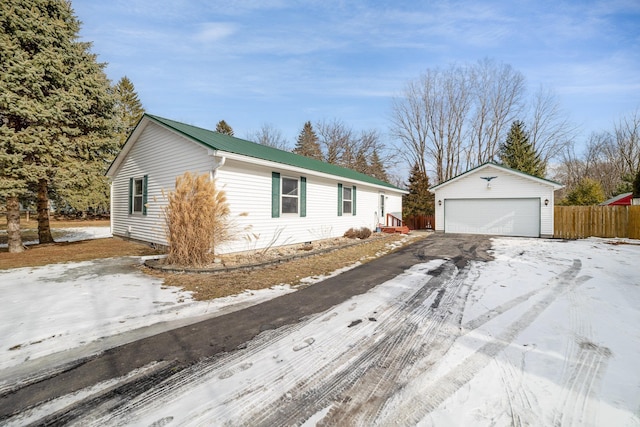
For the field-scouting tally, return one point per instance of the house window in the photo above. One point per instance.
(138, 195)
(289, 195)
(346, 200)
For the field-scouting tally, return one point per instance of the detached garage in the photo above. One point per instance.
(494, 199)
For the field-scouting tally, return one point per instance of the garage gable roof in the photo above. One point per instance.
(555, 185)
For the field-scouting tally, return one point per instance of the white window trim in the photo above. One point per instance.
(283, 195)
(350, 200)
(140, 196)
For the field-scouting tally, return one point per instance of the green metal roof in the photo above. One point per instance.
(230, 144)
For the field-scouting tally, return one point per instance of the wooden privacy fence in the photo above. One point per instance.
(578, 222)
(420, 222)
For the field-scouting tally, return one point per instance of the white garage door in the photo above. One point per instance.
(502, 217)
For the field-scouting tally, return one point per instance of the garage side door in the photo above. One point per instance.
(502, 217)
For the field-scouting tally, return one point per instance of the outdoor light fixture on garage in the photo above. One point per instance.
(546, 202)
(439, 202)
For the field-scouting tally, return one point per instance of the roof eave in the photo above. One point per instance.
(555, 185)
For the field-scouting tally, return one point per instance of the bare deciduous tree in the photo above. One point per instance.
(450, 120)
(498, 92)
(270, 136)
(344, 147)
(429, 120)
(627, 143)
(611, 158)
(550, 131)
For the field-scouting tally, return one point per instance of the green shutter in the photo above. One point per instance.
(353, 201)
(130, 196)
(145, 180)
(303, 196)
(275, 194)
(339, 199)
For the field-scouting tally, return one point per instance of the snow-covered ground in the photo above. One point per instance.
(545, 334)
(71, 234)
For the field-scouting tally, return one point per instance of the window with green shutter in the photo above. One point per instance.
(346, 200)
(303, 196)
(138, 195)
(288, 195)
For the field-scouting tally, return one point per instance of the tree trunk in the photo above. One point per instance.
(13, 225)
(44, 230)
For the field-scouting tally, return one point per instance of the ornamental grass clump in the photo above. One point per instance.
(358, 233)
(197, 220)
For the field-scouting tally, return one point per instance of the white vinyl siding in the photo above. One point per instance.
(506, 186)
(163, 155)
(156, 154)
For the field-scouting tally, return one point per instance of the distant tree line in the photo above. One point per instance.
(608, 165)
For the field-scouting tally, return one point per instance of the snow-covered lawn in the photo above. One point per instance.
(545, 334)
(72, 234)
(59, 307)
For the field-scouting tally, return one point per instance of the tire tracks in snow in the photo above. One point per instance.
(412, 410)
(583, 369)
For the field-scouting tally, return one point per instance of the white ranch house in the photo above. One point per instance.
(275, 197)
(494, 199)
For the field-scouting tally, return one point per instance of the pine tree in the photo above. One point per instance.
(307, 143)
(223, 127)
(518, 153)
(360, 164)
(128, 108)
(376, 167)
(419, 201)
(636, 186)
(55, 105)
(588, 192)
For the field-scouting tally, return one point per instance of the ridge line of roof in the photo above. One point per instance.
(264, 152)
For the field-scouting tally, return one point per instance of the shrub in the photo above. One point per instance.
(364, 233)
(359, 233)
(197, 220)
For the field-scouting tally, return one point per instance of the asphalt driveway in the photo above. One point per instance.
(175, 350)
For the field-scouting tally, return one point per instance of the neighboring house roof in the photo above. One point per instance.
(619, 200)
(555, 185)
(229, 144)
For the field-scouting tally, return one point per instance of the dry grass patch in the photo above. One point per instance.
(209, 286)
(84, 250)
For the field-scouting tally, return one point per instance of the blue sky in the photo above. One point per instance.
(278, 62)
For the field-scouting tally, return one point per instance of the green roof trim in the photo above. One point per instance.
(506, 168)
(221, 142)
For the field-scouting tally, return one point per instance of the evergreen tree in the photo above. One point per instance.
(419, 201)
(307, 143)
(376, 168)
(636, 186)
(128, 108)
(518, 153)
(588, 192)
(360, 163)
(55, 106)
(223, 127)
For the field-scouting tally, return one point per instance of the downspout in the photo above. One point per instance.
(218, 162)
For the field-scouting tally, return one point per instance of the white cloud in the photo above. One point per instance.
(215, 31)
